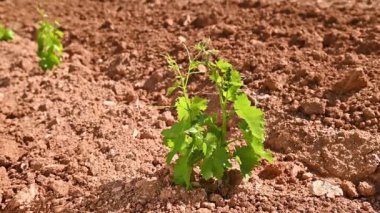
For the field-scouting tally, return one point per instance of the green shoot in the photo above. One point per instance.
(6, 34)
(197, 138)
(50, 48)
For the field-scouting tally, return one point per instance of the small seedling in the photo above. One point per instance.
(50, 48)
(198, 139)
(6, 34)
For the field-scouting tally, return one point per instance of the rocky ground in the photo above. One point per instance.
(86, 137)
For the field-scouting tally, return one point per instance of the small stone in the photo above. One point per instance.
(124, 92)
(274, 83)
(182, 39)
(4, 179)
(271, 171)
(217, 199)
(375, 97)
(169, 22)
(27, 138)
(109, 103)
(107, 24)
(147, 134)
(203, 210)
(168, 118)
(169, 206)
(320, 188)
(227, 30)
(350, 59)
(60, 187)
(75, 191)
(307, 176)
(352, 82)
(59, 208)
(135, 133)
(314, 106)
(296, 170)
(11, 152)
(208, 205)
(366, 189)
(23, 197)
(349, 189)
(202, 68)
(53, 169)
(203, 20)
(369, 113)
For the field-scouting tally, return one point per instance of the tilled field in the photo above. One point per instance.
(86, 137)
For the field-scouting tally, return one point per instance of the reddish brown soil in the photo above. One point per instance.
(86, 137)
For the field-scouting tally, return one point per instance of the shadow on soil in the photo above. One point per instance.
(148, 193)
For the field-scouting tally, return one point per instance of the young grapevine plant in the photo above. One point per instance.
(50, 48)
(6, 34)
(198, 139)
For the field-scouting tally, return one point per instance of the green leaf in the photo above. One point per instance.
(175, 138)
(184, 167)
(252, 125)
(182, 171)
(172, 63)
(234, 85)
(223, 65)
(215, 165)
(215, 77)
(190, 109)
(201, 46)
(182, 107)
(50, 48)
(247, 159)
(194, 65)
(198, 105)
(210, 143)
(6, 34)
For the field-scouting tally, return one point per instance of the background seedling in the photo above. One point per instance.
(50, 48)
(6, 34)
(197, 138)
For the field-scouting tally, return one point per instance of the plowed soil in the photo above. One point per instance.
(86, 137)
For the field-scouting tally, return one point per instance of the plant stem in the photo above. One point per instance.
(223, 106)
(186, 81)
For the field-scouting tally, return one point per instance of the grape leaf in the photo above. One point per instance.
(210, 143)
(252, 125)
(247, 159)
(191, 109)
(175, 138)
(184, 167)
(182, 171)
(223, 65)
(214, 165)
(234, 85)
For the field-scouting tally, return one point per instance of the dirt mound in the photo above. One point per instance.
(350, 155)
